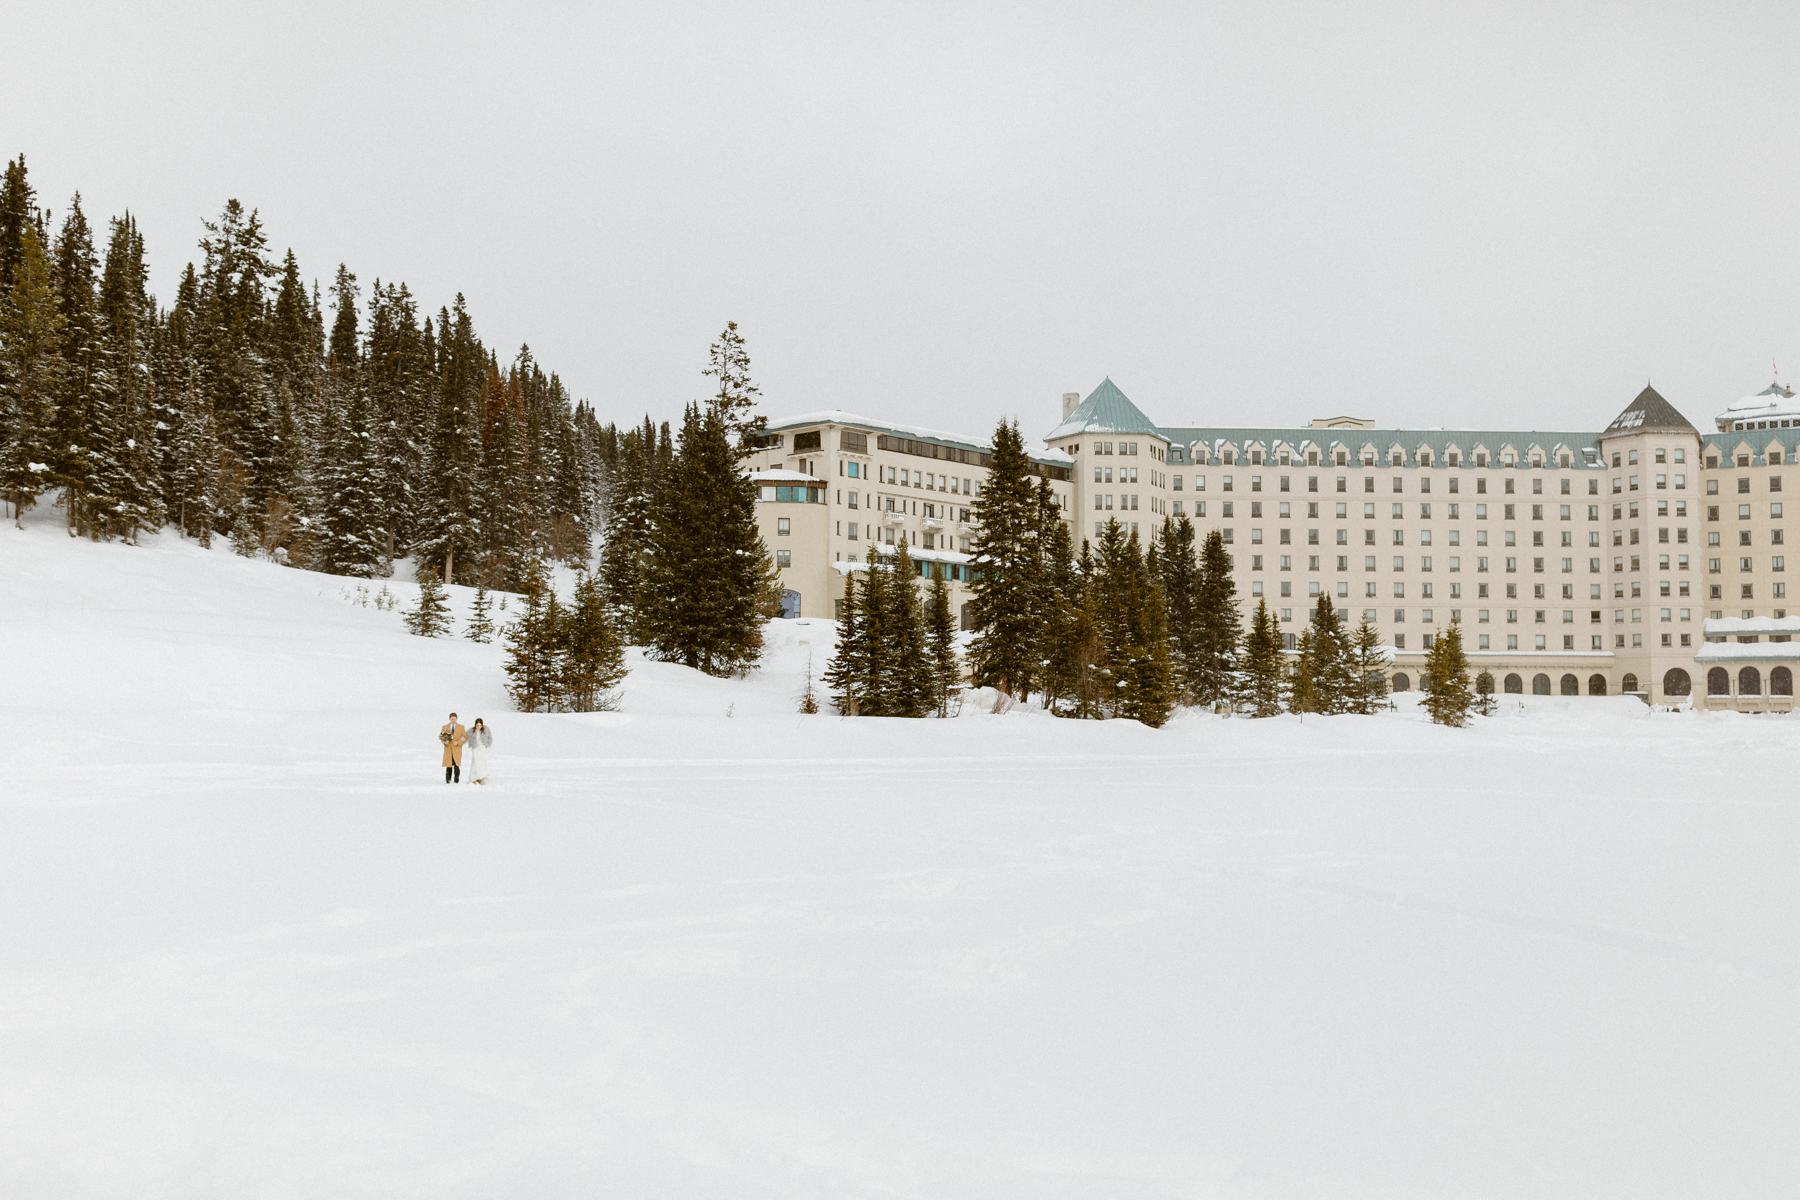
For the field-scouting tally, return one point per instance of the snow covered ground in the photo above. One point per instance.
(706, 947)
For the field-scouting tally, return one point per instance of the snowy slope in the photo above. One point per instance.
(249, 946)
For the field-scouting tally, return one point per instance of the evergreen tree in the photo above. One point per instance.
(481, 617)
(1007, 568)
(627, 531)
(1484, 694)
(593, 655)
(1179, 572)
(728, 363)
(1129, 607)
(809, 697)
(18, 213)
(1213, 669)
(843, 674)
(1368, 670)
(907, 689)
(1323, 681)
(80, 411)
(447, 527)
(30, 373)
(127, 475)
(1262, 664)
(940, 644)
(191, 472)
(1303, 689)
(707, 569)
(245, 540)
(431, 616)
(1062, 594)
(533, 661)
(1448, 697)
(354, 537)
(874, 663)
(1087, 695)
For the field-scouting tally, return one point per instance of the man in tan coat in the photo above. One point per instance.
(453, 735)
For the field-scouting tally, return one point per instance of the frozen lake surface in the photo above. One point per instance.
(250, 945)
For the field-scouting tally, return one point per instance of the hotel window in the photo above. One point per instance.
(783, 526)
(784, 558)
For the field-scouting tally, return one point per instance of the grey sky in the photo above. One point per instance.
(1255, 213)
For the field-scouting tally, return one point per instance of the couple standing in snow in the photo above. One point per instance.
(454, 738)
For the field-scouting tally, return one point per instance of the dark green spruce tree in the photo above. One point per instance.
(907, 688)
(626, 544)
(1007, 565)
(1448, 696)
(1179, 572)
(481, 617)
(707, 569)
(1262, 664)
(534, 648)
(1368, 670)
(431, 616)
(940, 644)
(734, 399)
(593, 653)
(1214, 668)
(844, 674)
(31, 368)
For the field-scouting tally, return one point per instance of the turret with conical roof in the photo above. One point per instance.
(1106, 410)
(1649, 413)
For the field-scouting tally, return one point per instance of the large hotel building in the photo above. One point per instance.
(1647, 558)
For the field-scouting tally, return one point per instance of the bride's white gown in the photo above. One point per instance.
(478, 757)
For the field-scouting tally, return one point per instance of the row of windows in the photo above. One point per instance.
(1743, 485)
(1368, 456)
(1228, 483)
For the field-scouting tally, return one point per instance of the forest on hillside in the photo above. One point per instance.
(307, 425)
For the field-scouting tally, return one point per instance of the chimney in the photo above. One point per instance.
(1070, 400)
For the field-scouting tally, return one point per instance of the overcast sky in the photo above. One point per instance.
(1258, 213)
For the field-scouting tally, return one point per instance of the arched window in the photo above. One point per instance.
(1749, 682)
(1781, 682)
(1596, 685)
(1568, 685)
(1628, 684)
(1514, 685)
(1484, 684)
(1540, 684)
(1402, 683)
(1676, 682)
(1718, 682)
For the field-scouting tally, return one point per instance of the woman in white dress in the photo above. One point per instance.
(479, 741)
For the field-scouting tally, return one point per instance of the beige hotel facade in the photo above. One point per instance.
(1646, 558)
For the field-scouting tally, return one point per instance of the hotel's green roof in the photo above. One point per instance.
(1106, 410)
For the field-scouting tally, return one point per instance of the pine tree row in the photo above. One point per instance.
(895, 657)
(563, 658)
(313, 431)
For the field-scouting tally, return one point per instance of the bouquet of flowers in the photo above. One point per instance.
(444, 735)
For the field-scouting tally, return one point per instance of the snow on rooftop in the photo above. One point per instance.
(778, 475)
(1753, 625)
(1738, 651)
(845, 566)
(838, 416)
(1775, 400)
